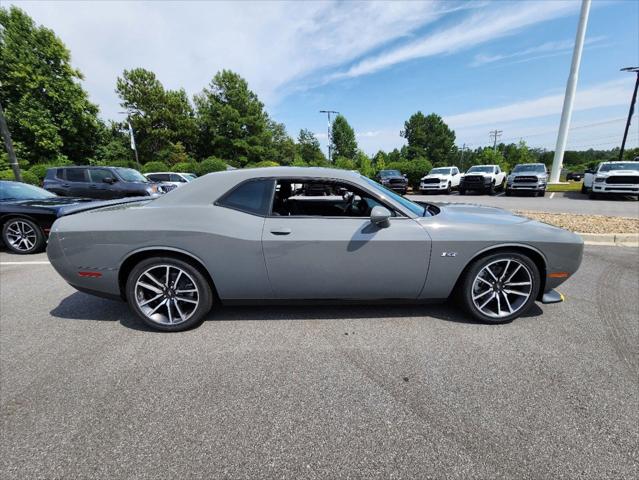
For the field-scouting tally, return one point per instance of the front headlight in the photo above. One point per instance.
(599, 179)
(510, 178)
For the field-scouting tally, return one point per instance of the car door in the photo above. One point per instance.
(456, 177)
(78, 181)
(98, 187)
(344, 257)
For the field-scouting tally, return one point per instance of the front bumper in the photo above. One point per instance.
(602, 187)
(526, 186)
(433, 186)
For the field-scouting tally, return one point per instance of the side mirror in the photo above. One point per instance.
(109, 180)
(380, 217)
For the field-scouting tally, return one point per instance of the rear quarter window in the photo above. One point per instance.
(253, 196)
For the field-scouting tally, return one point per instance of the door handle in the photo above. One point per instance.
(281, 231)
(65, 185)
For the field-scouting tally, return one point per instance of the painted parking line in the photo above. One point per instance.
(552, 194)
(26, 263)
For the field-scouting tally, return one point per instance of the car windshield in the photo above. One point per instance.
(529, 168)
(607, 167)
(130, 175)
(440, 171)
(22, 191)
(480, 170)
(390, 173)
(412, 206)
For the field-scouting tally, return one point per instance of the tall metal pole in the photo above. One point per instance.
(569, 98)
(329, 136)
(4, 130)
(495, 134)
(631, 111)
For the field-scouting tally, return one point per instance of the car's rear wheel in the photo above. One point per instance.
(500, 287)
(23, 236)
(168, 294)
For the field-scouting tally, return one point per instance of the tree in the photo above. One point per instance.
(428, 137)
(232, 123)
(343, 135)
(379, 160)
(48, 112)
(308, 148)
(160, 118)
(488, 156)
(281, 148)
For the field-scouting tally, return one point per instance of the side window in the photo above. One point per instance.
(99, 174)
(253, 197)
(455, 171)
(320, 198)
(76, 174)
(176, 178)
(59, 173)
(497, 170)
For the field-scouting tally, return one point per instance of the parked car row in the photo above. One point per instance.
(612, 178)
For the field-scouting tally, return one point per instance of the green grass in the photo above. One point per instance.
(567, 187)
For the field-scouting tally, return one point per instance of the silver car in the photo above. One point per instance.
(293, 234)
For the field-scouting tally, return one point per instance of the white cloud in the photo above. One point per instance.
(479, 27)
(185, 43)
(602, 95)
(554, 48)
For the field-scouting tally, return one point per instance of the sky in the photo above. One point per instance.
(481, 65)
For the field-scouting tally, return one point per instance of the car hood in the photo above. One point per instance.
(436, 175)
(394, 177)
(479, 174)
(478, 214)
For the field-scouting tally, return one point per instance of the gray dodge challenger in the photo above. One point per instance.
(287, 234)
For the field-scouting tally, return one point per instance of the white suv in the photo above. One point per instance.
(612, 177)
(171, 179)
(441, 179)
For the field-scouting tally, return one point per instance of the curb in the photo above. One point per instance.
(618, 239)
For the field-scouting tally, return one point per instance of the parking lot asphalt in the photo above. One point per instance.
(560, 202)
(323, 391)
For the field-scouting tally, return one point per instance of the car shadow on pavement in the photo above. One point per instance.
(80, 306)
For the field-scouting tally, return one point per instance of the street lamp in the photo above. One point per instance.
(133, 146)
(632, 109)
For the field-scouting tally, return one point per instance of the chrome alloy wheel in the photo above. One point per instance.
(502, 288)
(21, 236)
(166, 294)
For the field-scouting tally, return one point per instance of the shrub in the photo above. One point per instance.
(154, 167)
(185, 167)
(345, 163)
(27, 177)
(211, 164)
(413, 169)
(263, 164)
(40, 170)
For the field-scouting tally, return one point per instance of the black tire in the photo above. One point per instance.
(466, 287)
(491, 189)
(34, 242)
(508, 192)
(583, 188)
(541, 193)
(422, 192)
(205, 295)
(462, 191)
(449, 189)
(593, 196)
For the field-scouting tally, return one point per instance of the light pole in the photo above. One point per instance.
(632, 109)
(329, 137)
(569, 98)
(133, 146)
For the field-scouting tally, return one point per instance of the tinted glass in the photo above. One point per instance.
(176, 178)
(130, 175)
(77, 175)
(98, 175)
(531, 167)
(607, 167)
(413, 207)
(441, 171)
(390, 173)
(251, 197)
(22, 191)
(480, 170)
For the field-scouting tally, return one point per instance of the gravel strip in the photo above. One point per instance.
(586, 223)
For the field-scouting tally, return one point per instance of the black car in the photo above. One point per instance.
(104, 183)
(26, 215)
(576, 176)
(394, 180)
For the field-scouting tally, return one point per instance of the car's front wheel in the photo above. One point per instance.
(449, 188)
(23, 236)
(168, 294)
(500, 287)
